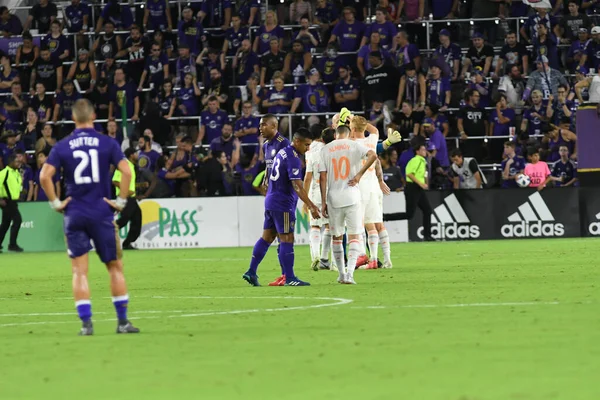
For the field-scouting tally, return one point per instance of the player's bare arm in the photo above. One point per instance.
(323, 186)
(379, 173)
(46, 175)
(303, 195)
(121, 200)
(371, 158)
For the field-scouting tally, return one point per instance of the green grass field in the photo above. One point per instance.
(452, 321)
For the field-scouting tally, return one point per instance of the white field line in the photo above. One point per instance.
(215, 259)
(462, 305)
(333, 301)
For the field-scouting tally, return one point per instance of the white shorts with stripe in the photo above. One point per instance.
(345, 218)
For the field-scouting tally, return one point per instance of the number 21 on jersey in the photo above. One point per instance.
(82, 173)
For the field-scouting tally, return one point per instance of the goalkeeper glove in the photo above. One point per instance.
(344, 114)
(393, 137)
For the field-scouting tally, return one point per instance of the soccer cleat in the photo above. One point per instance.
(324, 264)
(87, 329)
(372, 264)
(361, 260)
(278, 282)
(296, 282)
(315, 264)
(387, 264)
(341, 279)
(349, 280)
(251, 279)
(127, 328)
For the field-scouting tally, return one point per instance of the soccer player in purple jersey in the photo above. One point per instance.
(285, 187)
(85, 158)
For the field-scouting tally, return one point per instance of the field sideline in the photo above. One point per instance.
(479, 320)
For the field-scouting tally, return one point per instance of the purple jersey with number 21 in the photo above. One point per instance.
(85, 158)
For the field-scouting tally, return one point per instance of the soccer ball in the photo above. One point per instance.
(523, 180)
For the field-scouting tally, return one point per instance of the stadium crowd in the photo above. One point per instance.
(185, 83)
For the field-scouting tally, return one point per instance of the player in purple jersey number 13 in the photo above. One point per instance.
(85, 158)
(285, 187)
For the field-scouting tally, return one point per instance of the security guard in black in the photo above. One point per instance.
(11, 184)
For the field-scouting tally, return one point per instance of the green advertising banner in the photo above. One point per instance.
(41, 229)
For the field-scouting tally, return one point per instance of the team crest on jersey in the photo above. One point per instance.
(273, 152)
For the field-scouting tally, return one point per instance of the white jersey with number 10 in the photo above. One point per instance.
(342, 160)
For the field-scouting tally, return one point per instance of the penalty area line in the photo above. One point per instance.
(465, 305)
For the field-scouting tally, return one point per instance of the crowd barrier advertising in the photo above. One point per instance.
(41, 229)
(501, 214)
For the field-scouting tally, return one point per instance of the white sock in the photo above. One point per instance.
(361, 243)
(373, 244)
(325, 244)
(338, 256)
(384, 241)
(353, 253)
(315, 243)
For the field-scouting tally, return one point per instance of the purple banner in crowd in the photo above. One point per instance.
(588, 137)
(10, 45)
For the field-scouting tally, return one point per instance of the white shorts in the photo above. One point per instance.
(372, 206)
(343, 218)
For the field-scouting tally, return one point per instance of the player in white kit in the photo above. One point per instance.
(341, 170)
(372, 188)
(320, 245)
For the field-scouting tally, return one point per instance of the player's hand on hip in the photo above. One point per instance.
(115, 204)
(385, 188)
(354, 181)
(324, 211)
(63, 205)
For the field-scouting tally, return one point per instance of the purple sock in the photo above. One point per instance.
(260, 250)
(286, 258)
(120, 303)
(84, 309)
(280, 264)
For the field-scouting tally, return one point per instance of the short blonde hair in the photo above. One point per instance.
(537, 93)
(83, 111)
(274, 14)
(358, 123)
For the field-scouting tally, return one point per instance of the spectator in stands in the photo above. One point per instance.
(545, 79)
(437, 143)
(9, 24)
(27, 53)
(405, 52)
(216, 14)
(245, 63)
(537, 114)
(529, 30)
(63, 107)
(266, 32)
(438, 89)
(412, 88)
(444, 9)
(571, 23)
(32, 130)
(246, 129)
(329, 64)
(278, 100)
(299, 9)
(472, 121)
(41, 16)
(391, 173)
(207, 65)
(213, 120)
(226, 143)
(381, 80)
(347, 90)
(42, 103)
(512, 165)
(166, 44)
(27, 177)
(15, 107)
(157, 15)
(449, 52)
(234, 37)
(10, 137)
(166, 100)
(577, 50)
(591, 7)
(387, 30)
(326, 16)
(120, 16)
(217, 87)
(591, 59)
(564, 171)
(536, 169)
(249, 12)
(112, 130)
(309, 37)
(348, 33)
(408, 121)
(297, 64)
(478, 83)
(465, 172)
(184, 64)
(135, 49)
(487, 9)
(57, 43)
(546, 45)
(187, 97)
(502, 119)
(149, 135)
(39, 194)
(83, 71)
(251, 93)
(362, 58)
(480, 54)
(190, 32)
(513, 86)
(124, 101)
(108, 45)
(512, 53)
(587, 88)
(270, 62)
(8, 75)
(156, 68)
(247, 169)
(313, 96)
(77, 20)
(100, 97)
(379, 114)
(163, 182)
(147, 157)
(562, 106)
(558, 136)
